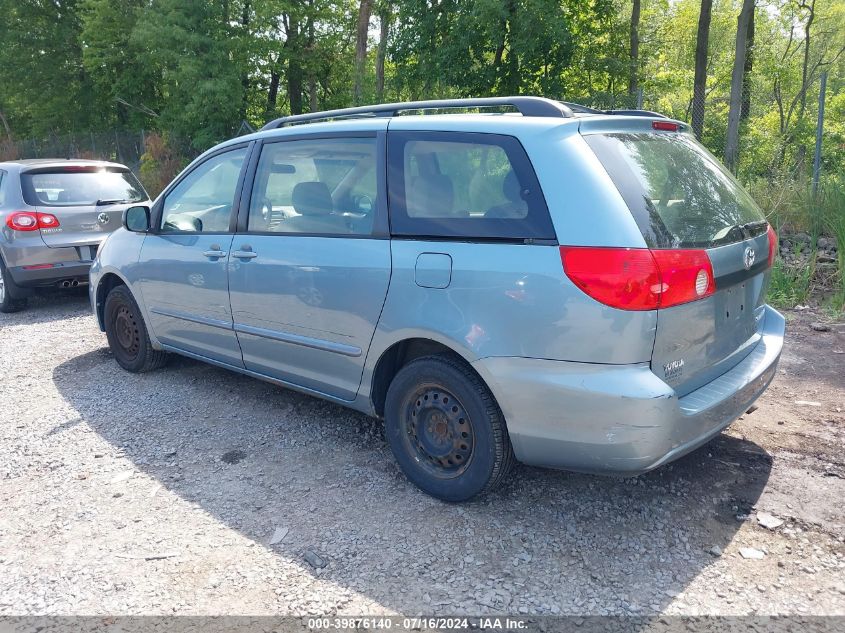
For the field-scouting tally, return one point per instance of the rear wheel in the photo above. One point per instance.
(8, 288)
(446, 430)
(127, 334)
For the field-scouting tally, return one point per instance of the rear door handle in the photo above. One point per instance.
(214, 252)
(244, 254)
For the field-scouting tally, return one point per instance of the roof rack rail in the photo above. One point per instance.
(527, 106)
(582, 109)
(648, 113)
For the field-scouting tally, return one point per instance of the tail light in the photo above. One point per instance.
(639, 278)
(773, 245)
(664, 126)
(31, 221)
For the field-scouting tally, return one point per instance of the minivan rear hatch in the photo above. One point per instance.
(87, 201)
(683, 199)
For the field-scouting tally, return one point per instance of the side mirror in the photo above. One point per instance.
(137, 219)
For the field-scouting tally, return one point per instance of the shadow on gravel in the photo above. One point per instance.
(257, 457)
(49, 305)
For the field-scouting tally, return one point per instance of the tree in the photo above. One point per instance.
(745, 110)
(633, 88)
(699, 90)
(361, 38)
(125, 80)
(44, 87)
(385, 16)
(194, 44)
(732, 136)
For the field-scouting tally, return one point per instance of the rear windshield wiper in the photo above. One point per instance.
(100, 203)
(747, 228)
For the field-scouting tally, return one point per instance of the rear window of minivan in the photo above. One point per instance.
(678, 193)
(466, 186)
(75, 186)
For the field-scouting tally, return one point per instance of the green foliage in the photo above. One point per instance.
(160, 163)
(43, 84)
(789, 286)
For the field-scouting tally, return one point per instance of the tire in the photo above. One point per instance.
(127, 333)
(8, 288)
(446, 430)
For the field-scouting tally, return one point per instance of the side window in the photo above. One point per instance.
(202, 201)
(2, 187)
(464, 185)
(316, 186)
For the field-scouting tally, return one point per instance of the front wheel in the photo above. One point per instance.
(446, 430)
(127, 334)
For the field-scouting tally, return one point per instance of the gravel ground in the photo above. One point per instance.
(197, 491)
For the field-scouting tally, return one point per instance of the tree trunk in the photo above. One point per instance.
(699, 86)
(295, 87)
(312, 94)
(361, 48)
(732, 137)
(273, 93)
(512, 74)
(293, 48)
(384, 32)
(745, 111)
(633, 71)
(806, 62)
(245, 74)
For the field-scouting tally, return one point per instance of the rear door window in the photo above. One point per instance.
(464, 186)
(80, 186)
(678, 193)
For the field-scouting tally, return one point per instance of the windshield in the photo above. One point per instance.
(80, 186)
(678, 193)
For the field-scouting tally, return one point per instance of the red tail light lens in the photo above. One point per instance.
(687, 275)
(22, 221)
(638, 278)
(773, 245)
(664, 126)
(31, 221)
(47, 221)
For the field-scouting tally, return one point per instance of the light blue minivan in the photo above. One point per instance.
(498, 279)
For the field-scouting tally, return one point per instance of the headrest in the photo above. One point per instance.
(511, 187)
(312, 198)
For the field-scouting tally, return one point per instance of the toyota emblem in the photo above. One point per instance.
(748, 259)
(103, 218)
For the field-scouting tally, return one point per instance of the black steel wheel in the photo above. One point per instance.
(446, 430)
(127, 333)
(439, 430)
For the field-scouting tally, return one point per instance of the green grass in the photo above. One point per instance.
(789, 285)
(791, 208)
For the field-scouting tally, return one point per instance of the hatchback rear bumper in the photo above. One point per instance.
(621, 419)
(27, 277)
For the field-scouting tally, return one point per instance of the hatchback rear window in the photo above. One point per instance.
(678, 193)
(80, 186)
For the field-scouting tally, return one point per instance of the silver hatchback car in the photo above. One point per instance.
(54, 214)
(549, 284)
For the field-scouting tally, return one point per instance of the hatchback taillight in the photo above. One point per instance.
(773, 245)
(639, 278)
(31, 221)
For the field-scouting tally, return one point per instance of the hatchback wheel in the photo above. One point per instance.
(127, 334)
(7, 288)
(446, 430)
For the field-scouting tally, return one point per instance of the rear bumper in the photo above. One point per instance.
(621, 419)
(31, 277)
